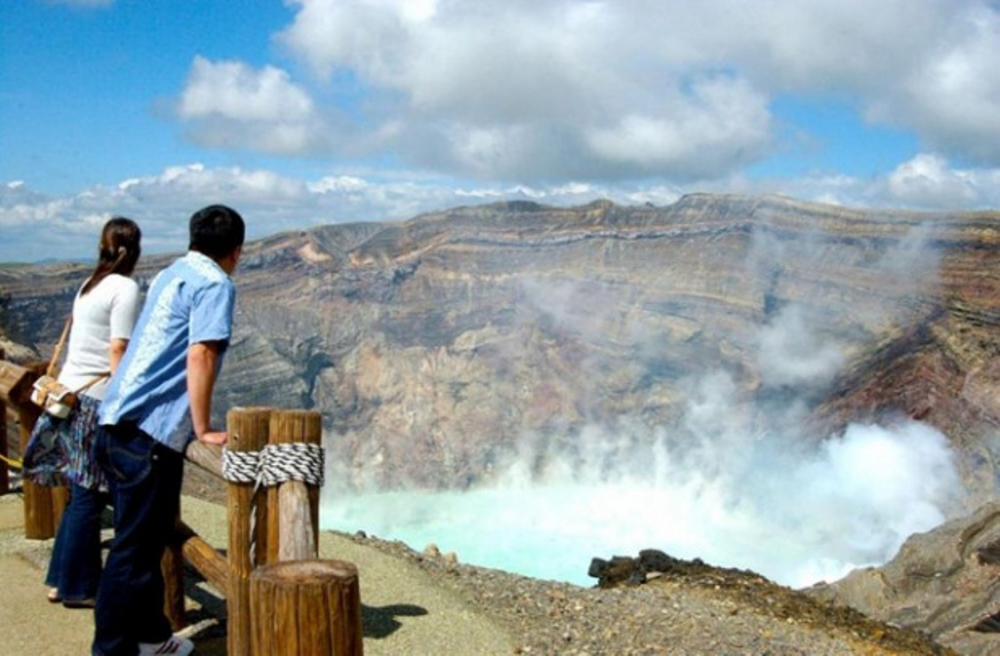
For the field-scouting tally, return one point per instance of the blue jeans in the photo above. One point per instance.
(145, 481)
(75, 566)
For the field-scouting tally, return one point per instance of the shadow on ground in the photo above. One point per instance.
(381, 622)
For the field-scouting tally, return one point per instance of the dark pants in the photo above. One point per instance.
(145, 481)
(75, 567)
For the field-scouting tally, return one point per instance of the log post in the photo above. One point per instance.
(248, 429)
(306, 608)
(206, 456)
(203, 557)
(4, 451)
(15, 391)
(172, 567)
(293, 522)
(39, 515)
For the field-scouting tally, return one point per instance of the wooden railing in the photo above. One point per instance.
(276, 587)
(43, 506)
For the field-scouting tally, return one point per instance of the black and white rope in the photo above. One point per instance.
(274, 464)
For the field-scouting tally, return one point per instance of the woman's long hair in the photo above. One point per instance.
(117, 252)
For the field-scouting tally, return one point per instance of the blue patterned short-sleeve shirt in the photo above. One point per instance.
(190, 301)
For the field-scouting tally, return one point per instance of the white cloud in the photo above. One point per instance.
(233, 90)
(951, 93)
(529, 90)
(591, 90)
(722, 124)
(230, 104)
(160, 203)
(853, 46)
(340, 183)
(927, 181)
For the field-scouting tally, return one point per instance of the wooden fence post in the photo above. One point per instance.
(4, 442)
(39, 515)
(172, 567)
(248, 431)
(307, 608)
(203, 557)
(293, 517)
(4, 451)
(15, 390)
(43, 506)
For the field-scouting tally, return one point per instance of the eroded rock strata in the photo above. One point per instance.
(437, 346)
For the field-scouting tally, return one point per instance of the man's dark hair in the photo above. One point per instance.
(216, 231)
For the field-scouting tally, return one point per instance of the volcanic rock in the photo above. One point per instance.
(944, 582)
(440, 348)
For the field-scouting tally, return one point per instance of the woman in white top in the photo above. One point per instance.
(104, 313)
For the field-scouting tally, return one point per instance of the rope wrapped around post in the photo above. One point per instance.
(274, 464)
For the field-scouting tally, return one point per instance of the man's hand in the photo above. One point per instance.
(214, 437)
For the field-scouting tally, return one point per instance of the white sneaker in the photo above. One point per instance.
(173, 645)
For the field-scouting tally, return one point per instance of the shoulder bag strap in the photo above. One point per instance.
(93, 381)
(59, 345)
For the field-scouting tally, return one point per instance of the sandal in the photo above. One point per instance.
(53, 596)
(78, 603)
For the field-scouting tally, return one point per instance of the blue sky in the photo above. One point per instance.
(308, 112)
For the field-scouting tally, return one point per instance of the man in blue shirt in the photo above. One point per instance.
(158, 401)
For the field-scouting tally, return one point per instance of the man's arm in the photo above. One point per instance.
(116, 349)
(202, 361)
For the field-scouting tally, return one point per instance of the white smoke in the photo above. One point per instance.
(793, 513)
(791, 351)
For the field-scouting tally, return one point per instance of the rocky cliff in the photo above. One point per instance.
(943, 583)
(438, 347)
